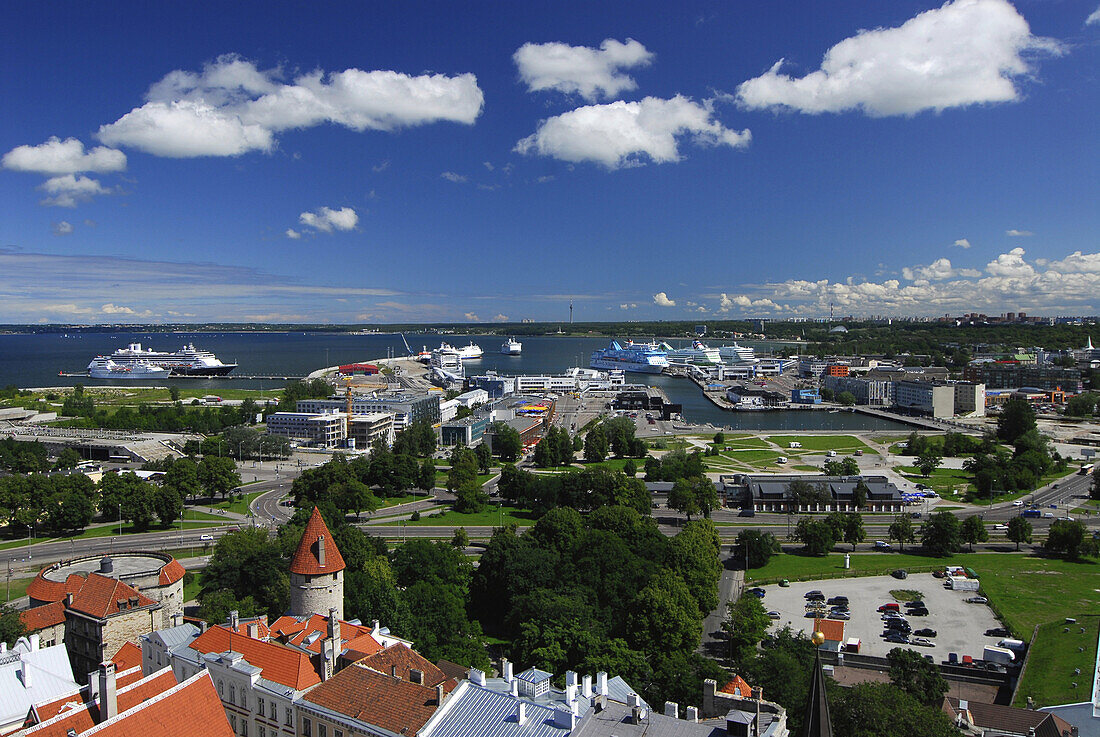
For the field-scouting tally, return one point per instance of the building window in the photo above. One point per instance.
(232, 694)
(263, 732)
(221, 688)
(233, 723)
(307, 728)
(244, 698)
(244, 728)
(289, 714)
(322, 730)
(337, 733)
(260, 706)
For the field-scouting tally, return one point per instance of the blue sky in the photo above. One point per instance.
(405, 162)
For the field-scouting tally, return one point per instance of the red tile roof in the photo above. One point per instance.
(295, 631)
(832, 629)
(368, 696)
(306, 560)
(405, 659)
(56, 718)
(279, 664)
(171, 572)
(43, 589)
(40, 617)
(737, 686)
(99, 597)
(127, 657)
(262, 630)
(191, 708)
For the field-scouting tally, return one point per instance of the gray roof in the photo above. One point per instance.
(471, 709)
(534, 675)
(616, 720)
(51, 676)
(1079, 715)
(173, 637)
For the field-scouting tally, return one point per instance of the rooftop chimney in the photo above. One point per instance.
(234, 619)
(477, 676)
(586, 687)
(692, 714)
(521, 711)
(321, 551)
(68, 598)
(565, 718)
(106, 566)
(35, 642)
(375, 627)
(253, 630)
(333, 624)
(71, 732)
(439, 694)
(637, 714)
(133, 602)
(393, 671)
(672, 709)
(28, 681)
(506, 670)
(570, 693)
(513, 688)
(108, 694)
(601, 682)
(177, 619)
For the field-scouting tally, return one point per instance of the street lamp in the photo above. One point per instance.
(120, 519)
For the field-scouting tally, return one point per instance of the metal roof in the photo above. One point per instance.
(534, 675)
(471, 709)
(51, 676)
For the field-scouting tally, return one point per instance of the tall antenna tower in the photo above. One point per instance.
(830, 312)
(570, 312)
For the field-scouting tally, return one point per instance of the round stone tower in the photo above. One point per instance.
(316, 572)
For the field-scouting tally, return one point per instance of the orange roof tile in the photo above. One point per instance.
(361, 646)
(192, 708)
(40, 617)
(737, 686)
(128, 656)
(368, 696)
(56, 718)
(126, 677)
(306, 560)
(262, 630)
(43, 589)
(171, 572)
(295, 631)
(99, 596)
(831, 628)
(279, 664)
(405, 659)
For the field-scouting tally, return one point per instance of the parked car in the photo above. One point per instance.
(755, 591)
(915, 515)
(977, 600)
(1017, 503)
(774, 615)
(890, 606)
(747, 513)
(839, 600)
(815, 596)
(922, 642)
(916, 603)
(900, 573)
(811, 614)
(897, 637)
(842, 616)
(925, 632)
(882, 545)
(918, 612)
(997, 632)
(784, 583)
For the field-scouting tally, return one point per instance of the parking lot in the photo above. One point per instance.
(960, 626)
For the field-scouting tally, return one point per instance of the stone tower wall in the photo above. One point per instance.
(317, 594)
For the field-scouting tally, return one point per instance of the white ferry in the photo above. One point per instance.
(644, 358)
(186, 361)
(511, 347)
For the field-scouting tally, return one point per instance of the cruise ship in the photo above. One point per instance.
(104, 368)
(465, 353)
(187, 361)
(511, 347)
(737, 353)
(645, 358)
(698, 353)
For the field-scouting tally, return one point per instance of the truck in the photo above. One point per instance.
(960, 583)
(1016, 646)
(995, 654)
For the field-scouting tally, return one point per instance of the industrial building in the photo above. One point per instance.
(406, 408)
(772, 493)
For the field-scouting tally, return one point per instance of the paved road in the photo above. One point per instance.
(730, 584)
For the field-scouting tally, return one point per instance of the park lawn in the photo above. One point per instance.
(942, 480)
(1049, 677)
(393, 501)
(616, 464)
(192, 585)
(192, 515)
(820, 442)
(492, 517)
(128, 529)
(810, 469)
(239, 505)
(18, 588)
(746, 443)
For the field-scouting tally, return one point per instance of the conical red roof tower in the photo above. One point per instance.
(316, 572)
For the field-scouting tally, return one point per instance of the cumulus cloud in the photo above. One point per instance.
(964, 53)
(327, 220)
(628, 306)
(938, 270)
(500, 317)
(1094, 17)
(1013, 233)
(583, 70)
(62, 228)
(1076, 263)
(1011, 264)
(232, 107)
(450, 176)
(472, 317)
(625, 133)
(63, 157)
(292, 234)
(661, 300)
(727, 302)
(113, 309)
(962, 243)
(69, 189)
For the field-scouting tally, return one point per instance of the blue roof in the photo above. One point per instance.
(471, 709)
(534, 675)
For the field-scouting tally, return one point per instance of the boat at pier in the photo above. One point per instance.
(644, 358)
(187, 361)
(104, 368)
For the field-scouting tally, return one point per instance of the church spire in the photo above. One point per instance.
(815, 719)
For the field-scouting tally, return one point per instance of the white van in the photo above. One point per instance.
(831, 454)
(794, 444)
(781, 459)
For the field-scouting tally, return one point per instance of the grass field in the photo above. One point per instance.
(943, 480)
(488, 518)
(616, 464)
(238, 505)
(192, 585)
(16, 589)
(820, 442)
(1056, 653)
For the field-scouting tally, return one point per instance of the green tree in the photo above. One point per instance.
(683, 498)
(1070, 538)
(370, 592)
(914, 675)
(859, 494)
(941, 534)
(182, 477)
(354, 496)
(425, 478)
(1094, 492)
(595, 445)
(873, 709)
(901, 529)
(631, 469)
(460, 540)
(817, 536)
(214, 606)
(174, 393)
(68, 458)
(1017, 417)
(218, 476)
(470, 498)
(973, 531)
(507, 443)
(758, 546)
(248, 563)
(853, 532)
(846, 398)
(70, 509)
(1019, 531)
(11, 625)
(928, 461)
(665, 616)
(463, 468)
(719, 438)
(167, 504)
(484, 457)
(746, 624)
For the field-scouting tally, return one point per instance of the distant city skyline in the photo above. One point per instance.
(436, 162)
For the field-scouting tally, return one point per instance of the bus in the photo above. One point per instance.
(1086, 469)
(1031, 513)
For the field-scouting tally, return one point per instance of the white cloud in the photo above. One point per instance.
(628, 306)
(1076, 263)
(962, 243)
(69, 189)
(488, 165)
(232, 107)
(292, 234)
(589, 72)
(113, 309)
(450, 176)
(62, 228)
(966, 52)
(1013, 233)
(727, 302)
(1011, 264)
(64, 157)
(326, 219)
(1094, 17)
(625, 133)
(499, 317)
(472, 317)
(661, 300)
(938, 270)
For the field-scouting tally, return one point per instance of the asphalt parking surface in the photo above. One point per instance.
(960, 626)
